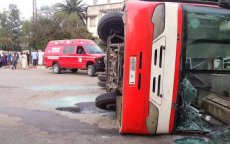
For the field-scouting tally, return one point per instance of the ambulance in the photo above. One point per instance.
(74, 54)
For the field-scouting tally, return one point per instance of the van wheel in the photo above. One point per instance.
(56, 68)
(107, 101)
(74, 70)
(91, 70)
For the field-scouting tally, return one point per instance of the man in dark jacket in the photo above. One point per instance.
(15, 60)
(0, 60)
(28, 58)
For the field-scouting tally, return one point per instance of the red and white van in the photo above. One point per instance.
(74, 54)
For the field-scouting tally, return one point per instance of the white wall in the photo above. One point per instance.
(95, 11)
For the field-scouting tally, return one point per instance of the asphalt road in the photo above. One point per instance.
(28, 111)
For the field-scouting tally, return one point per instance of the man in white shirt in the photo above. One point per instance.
(35, 58)
(40, 57)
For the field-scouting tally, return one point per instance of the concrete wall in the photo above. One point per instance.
(218, 82)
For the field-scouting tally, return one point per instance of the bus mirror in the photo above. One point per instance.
(225, 26)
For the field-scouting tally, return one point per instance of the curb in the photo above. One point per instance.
(37, 67)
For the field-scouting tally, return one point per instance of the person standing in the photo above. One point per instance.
(40, 57)
(4, 59)
(24, 61)
(35, 58)
(28, 58)
(15, 60)
(0, 60)
(9, 57)
(19, 62)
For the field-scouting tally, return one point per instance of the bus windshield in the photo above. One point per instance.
(206, 39)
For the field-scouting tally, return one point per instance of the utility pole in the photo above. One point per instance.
(34, 19)
(34, 10)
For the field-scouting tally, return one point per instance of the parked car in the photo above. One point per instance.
(74, 54)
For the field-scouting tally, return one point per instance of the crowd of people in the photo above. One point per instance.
(21, 59)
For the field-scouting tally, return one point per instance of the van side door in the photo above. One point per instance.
(63, 57)
(71, 57)
(81, 55)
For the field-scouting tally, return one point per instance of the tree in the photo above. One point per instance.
(73, 7)
(6, 43)
(25, 33)
(14, 20)
(10, 28)
(53, 25)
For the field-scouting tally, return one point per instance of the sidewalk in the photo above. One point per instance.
(38, 67)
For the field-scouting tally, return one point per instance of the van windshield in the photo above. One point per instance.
(93, 49)
(206, 39)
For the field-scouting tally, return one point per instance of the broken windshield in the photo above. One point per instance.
(206, 39)
(206, 51)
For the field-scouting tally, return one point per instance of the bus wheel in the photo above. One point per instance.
(102, 77)
(107, 101)
(109, 24)
(101, 84)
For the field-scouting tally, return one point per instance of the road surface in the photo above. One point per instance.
(29, 100)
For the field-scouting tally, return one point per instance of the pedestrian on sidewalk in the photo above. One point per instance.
(0, 60)
(35, 58)
(15, 60)
(28, 58)
(24, 61)
(19, 63)
(40, 57)
(9, 58)
(4, 59)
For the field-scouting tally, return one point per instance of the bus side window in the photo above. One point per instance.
(158, 20)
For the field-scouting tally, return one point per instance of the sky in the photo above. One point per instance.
(26, 8)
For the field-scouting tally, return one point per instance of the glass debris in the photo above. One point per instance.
(191, 140)
(190, 120)
(202, 140)
(68, 101)
(189, 92)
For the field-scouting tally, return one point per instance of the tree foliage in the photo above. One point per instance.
(55, 25)
(10, 28)
(73, 7)
(61, 21)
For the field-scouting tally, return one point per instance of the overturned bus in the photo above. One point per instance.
(168, 66)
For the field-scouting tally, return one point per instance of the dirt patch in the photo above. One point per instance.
(83, 108)
(69, 109)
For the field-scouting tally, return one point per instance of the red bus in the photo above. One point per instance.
(172, 69)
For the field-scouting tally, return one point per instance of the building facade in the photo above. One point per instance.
(95, 12)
